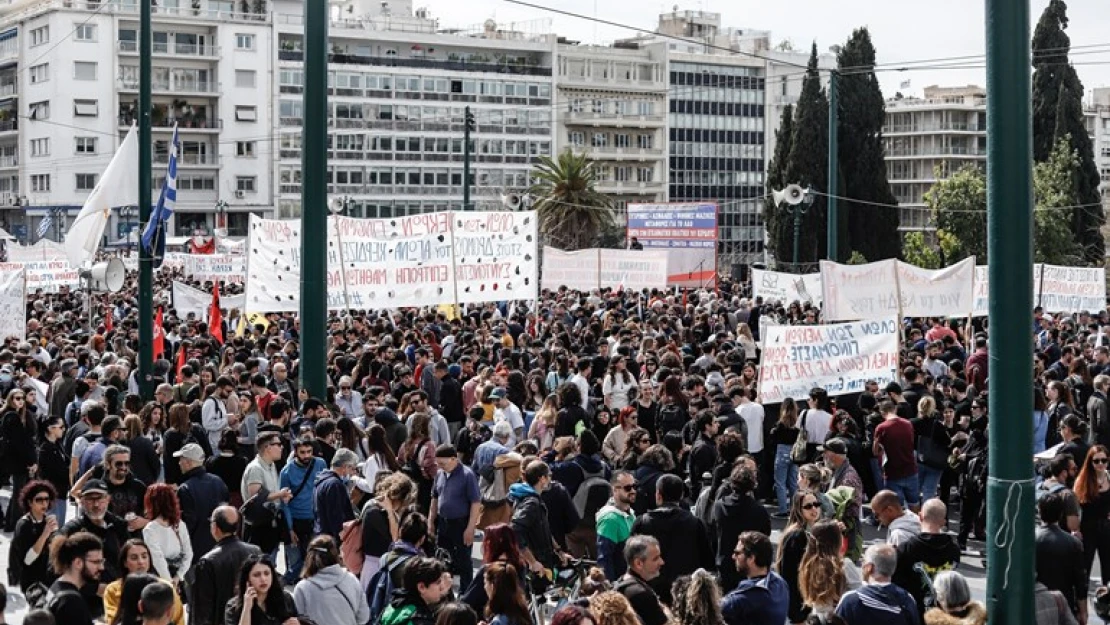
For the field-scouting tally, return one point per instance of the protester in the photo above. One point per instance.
(259, 597)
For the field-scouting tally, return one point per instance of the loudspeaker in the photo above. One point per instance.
(108, 276)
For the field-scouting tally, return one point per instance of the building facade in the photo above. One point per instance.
(69, 92)
(928, 138)
(399, 87)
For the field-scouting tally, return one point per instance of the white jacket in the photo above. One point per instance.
(165, 544)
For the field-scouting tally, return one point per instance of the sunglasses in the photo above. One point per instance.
(629, 488)
(1100, 460)
(43, 499)
(120, 465)
(811, 505)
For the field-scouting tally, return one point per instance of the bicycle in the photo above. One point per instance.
(564, 588)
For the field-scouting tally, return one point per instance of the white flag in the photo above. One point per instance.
(118, 186)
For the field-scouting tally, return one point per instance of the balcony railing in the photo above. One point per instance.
(9, 161)
(428, 63)
(180, 49)
(937, 151)
(9, 125)
(199, 160)
(183, 123)
(133, 9)
(174, 86)
(609, 116)
(954, 126)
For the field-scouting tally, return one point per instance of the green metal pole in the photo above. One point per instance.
(314, 202)
(1010, 507)
(468, 119)
(146, 263)
(833, 231)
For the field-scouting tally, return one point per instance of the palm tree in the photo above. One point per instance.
(571, 211)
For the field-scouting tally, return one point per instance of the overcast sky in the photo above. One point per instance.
(901, 30)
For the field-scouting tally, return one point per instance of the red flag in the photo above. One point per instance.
(215, 319)
(159, 342)
(180, 361)
(108, 320)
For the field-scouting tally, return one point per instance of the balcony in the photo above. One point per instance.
(187, 12)
(629, 186)
(163, 48)
(9, 125)
(620, 120)
(7, 91)
(932, 128)
(190, 160)
(626, 153)
(9, 161)
(171, 87)
(938, 151)
(186, 124)
(454, 65)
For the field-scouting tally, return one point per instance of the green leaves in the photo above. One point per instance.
(571, 211)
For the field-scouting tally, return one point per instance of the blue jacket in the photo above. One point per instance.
(878, 605)
(333, 504)
(300, 507)
(758, 601)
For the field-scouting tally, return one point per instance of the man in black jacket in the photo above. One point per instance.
(932, 551)
(217, 572)
(644, 562)
(703, 455)
(109, 528)
(1060, 563)
(734, 514)
(200, 494)
(683, 538)
(530, 518)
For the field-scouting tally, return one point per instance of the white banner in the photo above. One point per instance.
(187, 300)
(574, 270)
(982, 292)
(786, 287)
(839, 358)
(399, 262)
(1069, 289)
(215, 268)
(940, 293)
(13, 303)
(595, 268)
(866, 291)
(47, 275)
(43, 249)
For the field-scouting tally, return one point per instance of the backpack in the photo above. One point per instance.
(671, 419)
(592, 494)
(380, 590)
(350, 545)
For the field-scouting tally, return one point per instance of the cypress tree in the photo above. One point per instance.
(807, 164)
(778, 218)
(871, 230)
(1058, 113)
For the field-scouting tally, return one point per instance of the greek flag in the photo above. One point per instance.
(154, 235)
(44, 225)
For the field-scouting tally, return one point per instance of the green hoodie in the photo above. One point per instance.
(398, 615)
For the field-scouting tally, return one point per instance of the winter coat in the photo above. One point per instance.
(977, 615)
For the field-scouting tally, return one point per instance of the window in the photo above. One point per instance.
(85, 108)
(86, 182)
(599, 140)
(244, 78)
(40, 183)
(84, 70)
(621, 140)
(644, 142)
(40, 73)
(244, 148)
(39, 35)
(245, 184)
(84, 32)
(86, 145)
(244, 41)
(645, 174)
(246, 113)
(40, 147)
(622, 174)
(577, 139)
(39, 110)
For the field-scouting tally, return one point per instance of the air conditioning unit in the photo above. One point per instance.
(240, 194)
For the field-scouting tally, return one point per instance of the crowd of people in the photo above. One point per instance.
(617, 432)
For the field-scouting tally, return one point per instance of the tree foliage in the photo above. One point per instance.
(571, 211)
(777, 218)
(807, 163)
(865, 226)
(959, 207)
(1058, 113)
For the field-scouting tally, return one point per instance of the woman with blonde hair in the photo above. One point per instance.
(821, 576)
(814, 478)
(783, 435)
(696, 599)
(611, 608)
(543, 425)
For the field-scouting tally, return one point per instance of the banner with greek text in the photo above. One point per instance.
(596, 268)
(13, 303)
(48, 275)
(839, 358)
(273, 265)
(224, 268)
(786, 287)
(688, 231)
(43, 249)
(868, 291)
(496, 256)
(187, 300)
(936, 293)
(1069, 289)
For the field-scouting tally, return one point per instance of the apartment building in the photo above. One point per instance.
(399, 86)
(69, 91)
(926, 138)
(611, 103)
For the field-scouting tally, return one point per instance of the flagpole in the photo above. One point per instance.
(146, 290)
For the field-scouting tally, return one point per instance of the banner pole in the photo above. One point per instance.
(455, 269)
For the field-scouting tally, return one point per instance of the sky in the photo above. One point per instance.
(901, 30)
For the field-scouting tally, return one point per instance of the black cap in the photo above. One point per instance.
(835, 445)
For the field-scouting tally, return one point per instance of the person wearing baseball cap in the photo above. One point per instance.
(835, 451)
(98, 521)
(199, 493)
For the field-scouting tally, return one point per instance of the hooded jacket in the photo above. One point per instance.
(572, 473)
(530, 523)
(395, 432)
(683, 542)
(332, 596)
(903, 528)
(614, 526)
(878, 604)
(333, 504)
(935, 552)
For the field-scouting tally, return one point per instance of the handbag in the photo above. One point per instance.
(929, 453)
(799, 453)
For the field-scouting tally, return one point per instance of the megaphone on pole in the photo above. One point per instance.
(792, 195)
